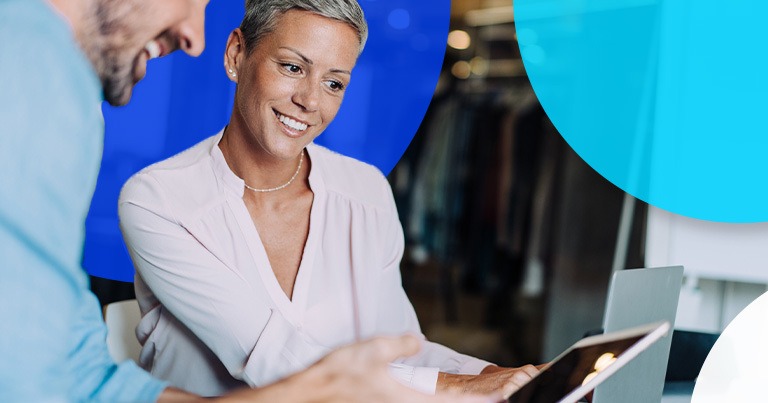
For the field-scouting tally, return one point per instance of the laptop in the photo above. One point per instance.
(586, 364)
(638, 296)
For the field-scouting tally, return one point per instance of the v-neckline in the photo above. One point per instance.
(292, 308)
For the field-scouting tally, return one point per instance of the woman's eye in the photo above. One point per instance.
(291, 68)
(335, 85)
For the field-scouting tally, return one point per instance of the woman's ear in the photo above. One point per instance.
(234, 54)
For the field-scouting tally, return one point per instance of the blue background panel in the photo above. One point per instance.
(184, 100)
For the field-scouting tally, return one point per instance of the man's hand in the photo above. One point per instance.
(359, 373)
(356, 373)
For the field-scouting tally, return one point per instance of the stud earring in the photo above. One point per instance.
(232, 72)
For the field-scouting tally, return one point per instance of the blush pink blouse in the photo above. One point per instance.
(213, 314)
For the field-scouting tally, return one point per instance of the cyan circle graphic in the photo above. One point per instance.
(664, 98)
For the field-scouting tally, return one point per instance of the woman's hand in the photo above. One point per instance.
(491, 379)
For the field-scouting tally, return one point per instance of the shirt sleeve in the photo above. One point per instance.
(255, 343)
(98, 378)
(53, 348)
(396, 314)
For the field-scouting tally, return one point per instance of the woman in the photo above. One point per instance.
(258, 251)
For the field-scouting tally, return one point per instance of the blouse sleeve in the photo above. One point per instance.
(255, 343)
(395, 313)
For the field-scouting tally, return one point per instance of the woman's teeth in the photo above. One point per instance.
(153, 49)
(292, 123)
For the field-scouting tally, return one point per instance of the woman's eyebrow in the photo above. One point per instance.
(306, 59)
(309, 61)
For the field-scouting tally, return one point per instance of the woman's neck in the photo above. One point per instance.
(256, 167)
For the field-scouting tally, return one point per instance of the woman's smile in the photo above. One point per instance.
(293, 126)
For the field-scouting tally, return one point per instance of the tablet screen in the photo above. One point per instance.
(576, 367)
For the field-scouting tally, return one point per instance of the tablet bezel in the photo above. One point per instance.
(650, 334)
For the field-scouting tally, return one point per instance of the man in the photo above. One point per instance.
(57, 60)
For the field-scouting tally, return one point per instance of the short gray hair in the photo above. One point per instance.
(261, 16)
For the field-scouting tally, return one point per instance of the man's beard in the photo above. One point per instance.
(104, 40)
(117, 77)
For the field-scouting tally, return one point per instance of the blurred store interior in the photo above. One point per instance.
(512, 238)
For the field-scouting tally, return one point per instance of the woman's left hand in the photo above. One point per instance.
(492, 379)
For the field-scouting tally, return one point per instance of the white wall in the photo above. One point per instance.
(726, 265)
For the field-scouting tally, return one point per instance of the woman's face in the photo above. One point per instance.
(291, 85)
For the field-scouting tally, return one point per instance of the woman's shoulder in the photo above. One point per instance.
(184, 160)
(174, 176)
(350, 178)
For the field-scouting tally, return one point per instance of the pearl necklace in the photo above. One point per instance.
(295, 174)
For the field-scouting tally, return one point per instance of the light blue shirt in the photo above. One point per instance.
(52, 339)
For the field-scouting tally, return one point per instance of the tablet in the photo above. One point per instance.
(586, 364)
